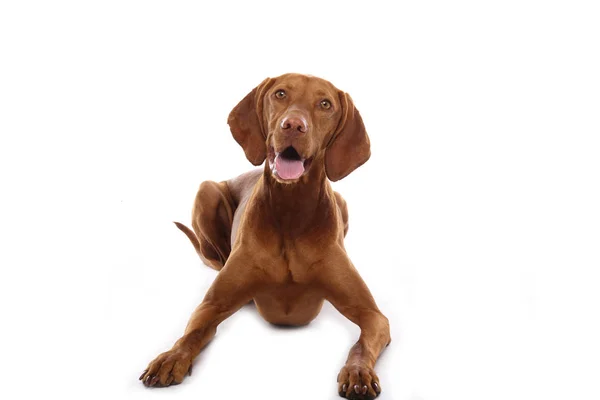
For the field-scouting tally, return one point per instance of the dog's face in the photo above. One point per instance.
(299, 122)
(300, 113)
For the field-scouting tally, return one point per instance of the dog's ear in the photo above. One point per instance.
(349, 147)
(246, 124)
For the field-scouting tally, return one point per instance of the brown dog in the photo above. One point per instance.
(277, 236)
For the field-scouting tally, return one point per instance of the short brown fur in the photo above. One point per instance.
(280, 243)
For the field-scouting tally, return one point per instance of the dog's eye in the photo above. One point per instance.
(326, 104)
(280, 94)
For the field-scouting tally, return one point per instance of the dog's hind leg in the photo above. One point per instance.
(212, 219)
(341, 203)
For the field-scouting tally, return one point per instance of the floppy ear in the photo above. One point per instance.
(245, 123)
(349, 147)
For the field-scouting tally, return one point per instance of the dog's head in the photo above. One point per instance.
(296, 121)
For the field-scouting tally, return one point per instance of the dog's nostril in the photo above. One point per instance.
(295, 124)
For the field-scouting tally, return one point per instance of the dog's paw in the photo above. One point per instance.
(167, 369)
(357, 382)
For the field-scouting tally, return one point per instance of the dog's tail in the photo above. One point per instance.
(191, 235)
(215, 261)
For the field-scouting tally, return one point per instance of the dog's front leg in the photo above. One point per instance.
(345, 289)
(233, 287)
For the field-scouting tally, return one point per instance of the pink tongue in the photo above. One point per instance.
(289, 169)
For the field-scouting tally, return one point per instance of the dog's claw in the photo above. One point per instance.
(357, 389)
(376, 386)
(154, 381)
(344, 388)
(364, 390)
(142, 375)
(190, 370)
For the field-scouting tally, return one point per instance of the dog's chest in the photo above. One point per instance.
(294, 264)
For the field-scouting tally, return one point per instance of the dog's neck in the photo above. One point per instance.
(299, 205)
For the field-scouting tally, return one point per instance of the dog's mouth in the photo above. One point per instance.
(288, 165)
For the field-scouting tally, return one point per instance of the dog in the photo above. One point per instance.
(276, 235)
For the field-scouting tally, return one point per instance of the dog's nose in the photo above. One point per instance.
(294, 124)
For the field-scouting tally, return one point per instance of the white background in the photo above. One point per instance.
(476, 222)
